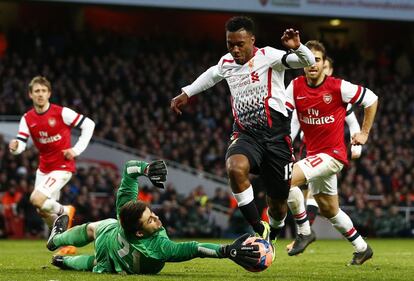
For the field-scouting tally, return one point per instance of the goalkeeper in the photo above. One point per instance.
(136, 243)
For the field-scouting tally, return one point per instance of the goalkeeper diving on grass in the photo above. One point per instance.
(137, 243)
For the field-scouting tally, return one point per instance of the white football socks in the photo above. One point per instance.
(296, 203)
(343, 223)
(53, 207)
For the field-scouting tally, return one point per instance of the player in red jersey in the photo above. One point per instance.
(50, 125)
(311, 205)
(320, 102)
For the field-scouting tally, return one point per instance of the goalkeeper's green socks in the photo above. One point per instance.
(81, 263)
(76, 236)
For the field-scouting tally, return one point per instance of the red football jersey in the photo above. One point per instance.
(51, 133)
(321, 112)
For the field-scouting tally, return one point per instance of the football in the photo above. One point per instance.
(266, 253)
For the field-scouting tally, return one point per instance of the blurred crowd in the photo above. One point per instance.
(125, 84)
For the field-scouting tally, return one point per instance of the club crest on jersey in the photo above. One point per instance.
(52, 122)
(327, 98)
(255, 76)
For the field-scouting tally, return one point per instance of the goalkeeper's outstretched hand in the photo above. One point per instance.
(244, 255)
(157, 173)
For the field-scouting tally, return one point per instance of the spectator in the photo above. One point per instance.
(13, 222)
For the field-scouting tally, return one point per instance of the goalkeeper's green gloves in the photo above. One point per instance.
(244, 255)
(157, 173)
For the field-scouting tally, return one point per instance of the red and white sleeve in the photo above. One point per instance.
(356, 94)
(85, 124)
(22, 136)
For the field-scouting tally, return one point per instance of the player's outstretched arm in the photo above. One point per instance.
(206, 80)
(128, 189)
(156, 171)
(243, 255)
(301, 56)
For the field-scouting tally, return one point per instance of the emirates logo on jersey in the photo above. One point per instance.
(327, 98)
(52, 122)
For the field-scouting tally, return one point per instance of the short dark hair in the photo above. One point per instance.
(317, 46)
(240, 22)
(40, 80)
(130, 215)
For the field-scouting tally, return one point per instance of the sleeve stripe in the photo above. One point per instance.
(22, 139)
(356, 95)
(74, 121)
(349, 112)
(226, 60)
(284, 60)
(289, 105)
(80, 122)
(362, 97)
(23, 134)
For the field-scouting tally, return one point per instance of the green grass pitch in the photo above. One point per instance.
(323, 260)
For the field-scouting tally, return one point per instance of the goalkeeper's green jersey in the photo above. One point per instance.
(117, 251)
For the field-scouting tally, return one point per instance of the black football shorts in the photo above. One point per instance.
(269, 157)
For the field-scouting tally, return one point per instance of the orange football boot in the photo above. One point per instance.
(71, 215)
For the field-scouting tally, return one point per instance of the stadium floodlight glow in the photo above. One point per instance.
(335, 22)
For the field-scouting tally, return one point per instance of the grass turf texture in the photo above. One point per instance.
(323, 260)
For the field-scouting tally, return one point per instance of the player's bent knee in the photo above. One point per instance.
(237, 169)
(91, 230)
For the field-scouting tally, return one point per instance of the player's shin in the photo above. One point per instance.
(311, 210)
(247, 206)
(53, 207)
(80, 263)
(296, 203)
(76, 236)
(276, 226)
(343, 223)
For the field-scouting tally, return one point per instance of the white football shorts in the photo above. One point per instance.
(320, 171)
(51, 183)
